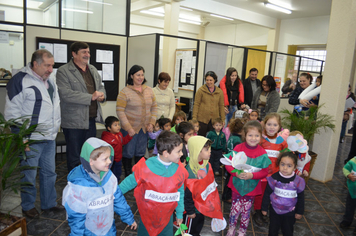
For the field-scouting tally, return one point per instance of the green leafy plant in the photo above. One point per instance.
(308, 122)
(12, 152)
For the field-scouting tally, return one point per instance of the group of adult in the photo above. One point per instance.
(72, 101)
(211, 101)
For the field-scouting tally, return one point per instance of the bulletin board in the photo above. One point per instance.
(184, 72)
(105, 58)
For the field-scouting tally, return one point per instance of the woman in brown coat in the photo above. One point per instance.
(208, 103)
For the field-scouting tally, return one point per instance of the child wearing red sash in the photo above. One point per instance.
(159, 186)
(201, 195)
(273, 144)
(246, 185)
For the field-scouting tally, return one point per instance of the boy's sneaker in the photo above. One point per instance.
(345, 224)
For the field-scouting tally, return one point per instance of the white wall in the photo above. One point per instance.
(12, 55)
(240, 34)
(312, 30)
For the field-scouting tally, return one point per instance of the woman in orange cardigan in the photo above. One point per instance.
(208, 103)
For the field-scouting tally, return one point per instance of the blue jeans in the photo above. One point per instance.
(75, 139)
(232, 109)
(116, 169)
(137, 146)
(42, 154)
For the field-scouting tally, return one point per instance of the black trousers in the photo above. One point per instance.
(205, 128)
(194, 225)
(226, 195)
(215, 159)
(285, 222)
(350, 209)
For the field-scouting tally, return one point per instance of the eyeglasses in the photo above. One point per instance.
(265, 85)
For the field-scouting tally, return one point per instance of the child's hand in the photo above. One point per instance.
(244, 176)
(264, 213)
(352, 177)
(133, 226)
(305, 173)
(298, 217)
(131, 132)
(179, 221)
(192, 216)
(299, 173)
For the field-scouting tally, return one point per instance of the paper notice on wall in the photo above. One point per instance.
(104, 56)
(100, 72)
(4, 37)
(47, 46)
(194, 61)
(108, 72)
(54, 72)
(192, 77)
(60, 53)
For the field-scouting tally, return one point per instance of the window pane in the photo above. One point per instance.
(42, 13)
(11, 10)
(107, 16)
(13, 49)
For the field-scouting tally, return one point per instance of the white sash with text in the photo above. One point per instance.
(211, 188)
(285, 193)
(101, 202)
(162, 197)
(272, 153)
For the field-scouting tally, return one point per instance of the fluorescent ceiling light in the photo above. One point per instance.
(152, 13)
(222, 17)
(157, 9)
(187, 9)
(277, 8)
(190, 21)
(75, 10)
(103, 3)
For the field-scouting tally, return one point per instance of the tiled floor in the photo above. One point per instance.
(324, 207)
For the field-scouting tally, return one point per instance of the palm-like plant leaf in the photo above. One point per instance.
(308, 122)
(12, 150)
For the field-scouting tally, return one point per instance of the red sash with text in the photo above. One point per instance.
(157, 196)
(273, 150)
(205, 195)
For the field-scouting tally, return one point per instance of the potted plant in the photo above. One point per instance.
(308, 122)
(12, 149)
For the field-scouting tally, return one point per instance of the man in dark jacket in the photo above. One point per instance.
(250, 85)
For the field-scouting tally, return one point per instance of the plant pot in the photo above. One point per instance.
(15, 223)
(313, 156)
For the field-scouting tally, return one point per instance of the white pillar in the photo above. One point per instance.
(171, 22)
(337, 75)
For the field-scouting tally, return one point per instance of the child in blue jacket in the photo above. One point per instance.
(92, 194)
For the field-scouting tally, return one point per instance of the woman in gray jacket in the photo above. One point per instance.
(266, 99)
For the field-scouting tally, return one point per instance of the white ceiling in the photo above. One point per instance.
(300, 8)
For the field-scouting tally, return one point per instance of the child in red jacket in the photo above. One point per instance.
(114, 137)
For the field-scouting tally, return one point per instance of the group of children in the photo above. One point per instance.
(180, 179)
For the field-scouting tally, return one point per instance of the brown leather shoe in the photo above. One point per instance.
(33, 213)
(57, 208)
